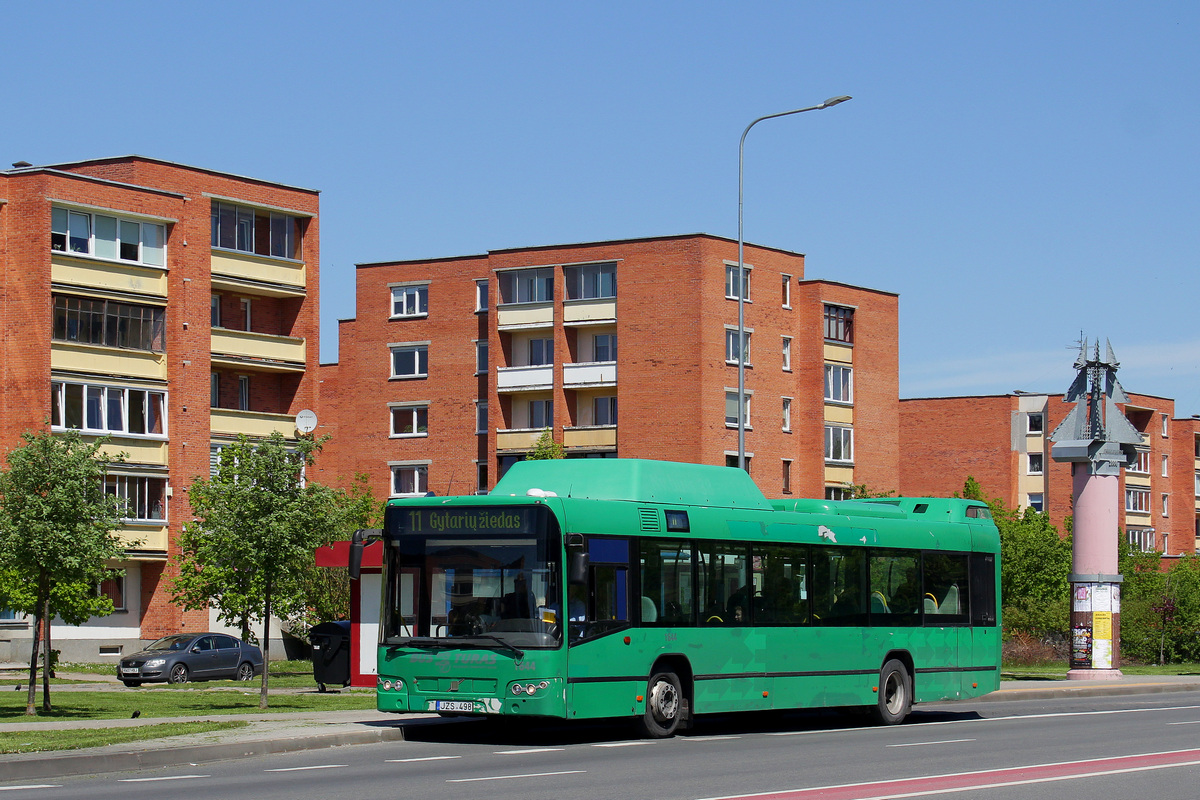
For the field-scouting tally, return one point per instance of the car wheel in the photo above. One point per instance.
(178, 674)
(132, 684)
(664, 705)
(895, 693)
(245, 671)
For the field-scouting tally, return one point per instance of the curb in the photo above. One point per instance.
(1103, 690)
(58, 765)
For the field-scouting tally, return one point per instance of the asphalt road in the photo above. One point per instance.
(1133, 747)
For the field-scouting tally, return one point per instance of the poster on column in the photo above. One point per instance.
(1083, 597)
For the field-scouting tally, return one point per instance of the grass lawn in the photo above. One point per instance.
(284, 675)
(35, 741)
(190, 701)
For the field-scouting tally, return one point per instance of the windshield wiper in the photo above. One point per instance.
(516, 651)
(464, 641)
(421, 641)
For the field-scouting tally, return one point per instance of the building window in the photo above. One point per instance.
(541, 352)
(787, 414)
(732, 355)
(250, 230)
(1164, 505)
(731, 460)
(1141, 538)
(481, 357)
(481, 417)
(1166, 419)
(410, 361)
(109, 323)
(604, 347)
(410, 301)
(141, 499)
(787, 354)
(243, 392)
(786, 286)
(1036, 463)
(604, 411)
(527, 285)
(839, 324)
(787, 476)
(731, 282)
(1198, 484)
(731, 409)
(1035, 423)
(214, 389)
(410, 420)
(1137, 500)
(481, 478)
(107, 409)
(839, 384)
(246, 315)
(114, 589)
(214, 314)
(839, 444)
(1141, 464)
(1164, 466)
(481, 295)
(836, 493)
(108, 237)
(591, 281)
(541, 414)
(410, 480)
(1036, 500)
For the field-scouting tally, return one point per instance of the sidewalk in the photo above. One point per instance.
(286, 732)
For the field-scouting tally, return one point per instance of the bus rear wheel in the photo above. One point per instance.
(664, 705)
(895, 693)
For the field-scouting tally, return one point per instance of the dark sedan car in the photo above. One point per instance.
(186, 657)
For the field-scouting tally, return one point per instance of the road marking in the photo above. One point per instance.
(529, 751)
(622, 744)
(923, 744)
(985, 779)
(31, 786)
(426, 758)
(706, 738)
(1189, 722)
(301, 769)
(511, 777)
(167, 778)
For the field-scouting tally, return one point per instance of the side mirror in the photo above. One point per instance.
(577, 560)
(357, 543)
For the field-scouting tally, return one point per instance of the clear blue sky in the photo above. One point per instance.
(1019, 172)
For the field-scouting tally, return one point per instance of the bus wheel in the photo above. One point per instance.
(895, 693)
(664, 705)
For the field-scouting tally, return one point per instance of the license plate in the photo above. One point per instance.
(454, 705)
(129, 670)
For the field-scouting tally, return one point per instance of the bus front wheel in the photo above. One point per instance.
(895, 693)
(664, 705)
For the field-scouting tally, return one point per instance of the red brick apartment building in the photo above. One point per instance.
(453, 367)
(169, 307)
(1003, 441)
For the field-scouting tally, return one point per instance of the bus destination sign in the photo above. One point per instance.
(468, 520)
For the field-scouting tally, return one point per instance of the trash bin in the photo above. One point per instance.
(331, 653)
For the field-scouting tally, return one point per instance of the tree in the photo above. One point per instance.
(57, 533)
(256, 528)
(545, 449)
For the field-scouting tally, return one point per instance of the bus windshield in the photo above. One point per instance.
(495, 588)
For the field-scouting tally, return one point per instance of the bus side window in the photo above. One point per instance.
(666, 578)
(983, 589)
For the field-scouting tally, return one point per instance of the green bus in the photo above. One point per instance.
(599, 588)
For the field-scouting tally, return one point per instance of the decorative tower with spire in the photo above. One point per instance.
(1097, 440)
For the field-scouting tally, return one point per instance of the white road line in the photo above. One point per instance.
(530, 750)
(301, 769)
(412, 760)
(31, 786)
(511, 777)
(1189, 722)
(166, 778)
(706, 738)
(622, 744)
(923, 744)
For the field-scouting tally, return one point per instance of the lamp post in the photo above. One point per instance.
(741, 287)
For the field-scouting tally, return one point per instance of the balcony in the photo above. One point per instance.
(523, 316)
(517, 439)
(524, 379)
(590, 437)
(262, 352)
(88, 358)
(255, 424)
(588, 375)
(101, 274)
(146, 541)
(272, 277)
(590, 312)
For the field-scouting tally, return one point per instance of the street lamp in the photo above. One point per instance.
(741, 287)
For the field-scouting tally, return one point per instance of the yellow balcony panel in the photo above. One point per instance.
(843, 415)
(839, 353)
(255, 424)
(517, 316)
(517, 439)
(145, 541)
(591, 436)
(838, 475)
(95, 359)
(259, 351)
(1141, 481)
(589, 312)
(137, 451)
(235, 271)
(108, 276)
